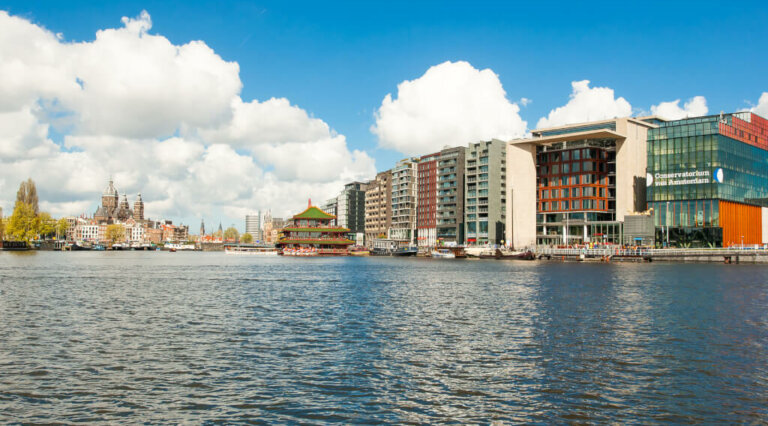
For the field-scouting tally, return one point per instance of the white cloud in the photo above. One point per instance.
(451, 104)
(165, 120)
(587, 104)
(695, 107)
(762, 106)
(272, 121)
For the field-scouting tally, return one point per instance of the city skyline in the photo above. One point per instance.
(194, 121)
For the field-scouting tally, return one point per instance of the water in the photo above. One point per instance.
(194, 337)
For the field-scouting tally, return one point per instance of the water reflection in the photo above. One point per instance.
(197, 337)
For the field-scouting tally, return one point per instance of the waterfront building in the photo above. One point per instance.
(440, 197)
(485, 192)
(573, 184)
(450, 195)
(426, 205)
(707, 180)
(253, 226)
(350, 210)
(404, 201)
(378, 207)
(275, 228)
(331, 206)
(311, 231)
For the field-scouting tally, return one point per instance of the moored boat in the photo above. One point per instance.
(443, 253)
(406, 251)
(359, 251)
(302, 252)
(251, 251)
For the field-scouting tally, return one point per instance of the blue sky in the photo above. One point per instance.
(168, 118)
(337, 60)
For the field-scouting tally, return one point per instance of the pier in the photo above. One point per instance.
(729, 255)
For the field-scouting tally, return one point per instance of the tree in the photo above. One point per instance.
(46, 225)
(231, 234)
(246, 238)
(23, 223)
(115, 233)
(61, 228)
(28, 194)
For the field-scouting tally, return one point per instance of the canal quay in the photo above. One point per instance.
(134, 336)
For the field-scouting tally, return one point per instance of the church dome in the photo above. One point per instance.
(110, 189)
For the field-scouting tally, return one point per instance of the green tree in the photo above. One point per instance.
(28, 194)
(246, 238)
(115, 233)
(231, 234)
(23, 223)
(61, 228)
(46, 225)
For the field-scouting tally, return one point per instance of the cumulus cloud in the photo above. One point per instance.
(453, 103)
(695, 107)
(762, 106)
(165, 120)
(272, 121)
(587, 104)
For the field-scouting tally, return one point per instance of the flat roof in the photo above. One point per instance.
(590, 134)
(635, 120)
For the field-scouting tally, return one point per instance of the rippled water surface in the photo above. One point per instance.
(191, 337)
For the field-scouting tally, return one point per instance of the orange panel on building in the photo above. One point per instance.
(739, 220)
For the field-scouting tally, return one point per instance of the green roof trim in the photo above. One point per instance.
(319, 242)
(313, 212)
(295, 229)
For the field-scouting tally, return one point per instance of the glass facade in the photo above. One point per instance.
(694, 164)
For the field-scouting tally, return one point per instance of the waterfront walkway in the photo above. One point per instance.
(727, 255)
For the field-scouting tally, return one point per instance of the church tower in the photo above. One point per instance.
(109, 199)
(202, 227)
(138, 209)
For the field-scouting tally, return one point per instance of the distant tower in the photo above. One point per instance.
(109, 198)
(202, 227)
(220, 228)
(124, 212)
(138, 208)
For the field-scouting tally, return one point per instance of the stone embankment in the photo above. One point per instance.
(732, 255)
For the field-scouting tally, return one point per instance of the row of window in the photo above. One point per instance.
(574, 192)
(585, 179)
(576, 167)
(572, 205)
(574, 154)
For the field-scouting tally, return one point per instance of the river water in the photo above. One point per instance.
(197, 337)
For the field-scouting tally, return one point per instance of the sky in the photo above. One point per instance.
(216, 109)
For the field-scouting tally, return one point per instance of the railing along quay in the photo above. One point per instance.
(650, 254)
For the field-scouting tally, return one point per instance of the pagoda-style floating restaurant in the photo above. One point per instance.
(310, 234)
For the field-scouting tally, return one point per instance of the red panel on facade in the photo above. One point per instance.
(753, 132)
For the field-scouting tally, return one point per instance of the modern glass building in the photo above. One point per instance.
(707, 180)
